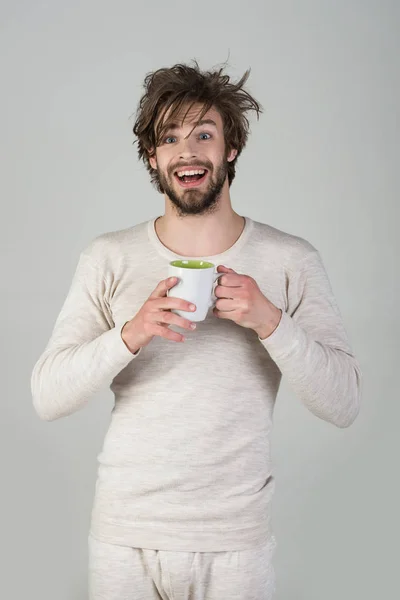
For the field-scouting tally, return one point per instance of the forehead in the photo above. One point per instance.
(192, 116)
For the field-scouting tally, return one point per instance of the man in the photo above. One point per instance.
(183, 498)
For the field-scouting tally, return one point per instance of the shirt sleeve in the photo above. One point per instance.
(311, 348)
(85, 350)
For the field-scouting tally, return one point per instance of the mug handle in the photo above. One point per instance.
(213, 299)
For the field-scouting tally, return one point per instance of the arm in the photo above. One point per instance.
(85, 351)
(311, 348)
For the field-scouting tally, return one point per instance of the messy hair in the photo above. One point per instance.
(180, 86)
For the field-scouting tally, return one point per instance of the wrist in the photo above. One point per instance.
(267, 329)
(134, 349)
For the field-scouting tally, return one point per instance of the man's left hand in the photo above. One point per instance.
(240, 299)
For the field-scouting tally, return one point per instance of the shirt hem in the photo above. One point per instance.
(183, 540)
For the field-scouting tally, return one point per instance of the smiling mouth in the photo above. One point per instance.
(188, 181)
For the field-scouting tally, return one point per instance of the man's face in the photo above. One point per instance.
(204, 149)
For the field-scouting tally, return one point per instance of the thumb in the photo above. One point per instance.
(163, 287)
(223, 269)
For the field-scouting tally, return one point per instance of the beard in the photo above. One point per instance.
(196, 201)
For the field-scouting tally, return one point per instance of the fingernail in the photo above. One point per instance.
(192, 307)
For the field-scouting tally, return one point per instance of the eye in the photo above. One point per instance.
(170, 137)
(206, 134)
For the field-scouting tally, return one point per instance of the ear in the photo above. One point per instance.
(232, 155)
(153, 161)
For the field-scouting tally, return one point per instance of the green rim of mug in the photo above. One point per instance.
(191, 264)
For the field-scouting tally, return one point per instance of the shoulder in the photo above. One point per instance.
(115, 244)
(287, 248)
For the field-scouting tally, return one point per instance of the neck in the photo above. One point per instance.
(199, 235)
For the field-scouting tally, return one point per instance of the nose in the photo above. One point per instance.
(187, 148)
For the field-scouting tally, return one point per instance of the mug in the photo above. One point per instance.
(196, 283)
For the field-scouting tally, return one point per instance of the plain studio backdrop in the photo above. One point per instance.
(321, 163)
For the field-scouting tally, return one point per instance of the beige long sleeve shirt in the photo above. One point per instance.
(185, 463)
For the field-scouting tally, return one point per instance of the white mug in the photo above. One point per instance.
(196, 282)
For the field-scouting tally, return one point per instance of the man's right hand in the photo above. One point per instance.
(155, 316)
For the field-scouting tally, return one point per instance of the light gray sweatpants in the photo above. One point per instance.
(123, 573)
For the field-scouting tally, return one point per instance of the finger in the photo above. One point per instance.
(226, 304)
(225, 314)
(231, 280)
(231, 292)
(223, 269)
(170, 303)
(170, 318)
(166, 333)
(163, 287)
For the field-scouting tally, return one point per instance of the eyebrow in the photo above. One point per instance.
(199, 124)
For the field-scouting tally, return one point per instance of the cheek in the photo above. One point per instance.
(164, 162)
(222, 154)
(159, 164)
(160, 160)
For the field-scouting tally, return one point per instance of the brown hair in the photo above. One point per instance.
(183, 85)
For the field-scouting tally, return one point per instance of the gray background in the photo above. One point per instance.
(320, 163)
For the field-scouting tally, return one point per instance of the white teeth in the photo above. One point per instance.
(198, 172)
